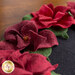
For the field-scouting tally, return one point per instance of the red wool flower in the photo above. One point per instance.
(72, 9)
(25, 35)
(6, 45)
(72, 5)
(49, 16)
(26, 63)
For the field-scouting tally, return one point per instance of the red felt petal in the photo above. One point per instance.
(26, 63)
(49, 16)
(73, 12)
(41, 66)
(74, 21)
(72, 5)
(47, 73)
(21, 44)
(4, 45)
(51, 39)
(5, 53)
(10, 35)
(61, 9)
(13, 35)
(14, 57)
(43, 21)
(51, 6)
(46, 11)
(36, 40)
(34, 14)
(65, 22)
(10, 32)
(17, 71)
(15, 40)
(28, 25)
(58, 16)
(44, 18)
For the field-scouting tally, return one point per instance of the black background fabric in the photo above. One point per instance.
(64, 54)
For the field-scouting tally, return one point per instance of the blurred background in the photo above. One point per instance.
(12, 11)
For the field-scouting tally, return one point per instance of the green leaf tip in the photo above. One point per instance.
(60, 32)
(53, 73)
(46, 51)
(27, 17)
(70, 13)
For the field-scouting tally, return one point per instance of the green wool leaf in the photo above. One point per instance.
(60, 32)
(46, 51)
(48, 59)
(27, 17)
(70, 14)
(53, 73)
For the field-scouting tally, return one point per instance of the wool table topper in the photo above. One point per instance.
(27, 45)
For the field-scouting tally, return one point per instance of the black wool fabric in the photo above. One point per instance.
(64, 54)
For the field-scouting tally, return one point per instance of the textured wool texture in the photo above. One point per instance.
(46, 52)
(27, 17)
(64, 54)
(26, 63)
(72, 9)
(53, 73)
(60, 32)
(49, 16)
(6, 45)
(26, 35)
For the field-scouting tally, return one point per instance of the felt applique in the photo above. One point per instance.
(26, 63)
(72, 9)
(53, 73)
(37, 36)
(46, 52)
(6, 45)
(59, 31)
(56, 29)
(49, 16)
(26, 35)
(27, 17)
